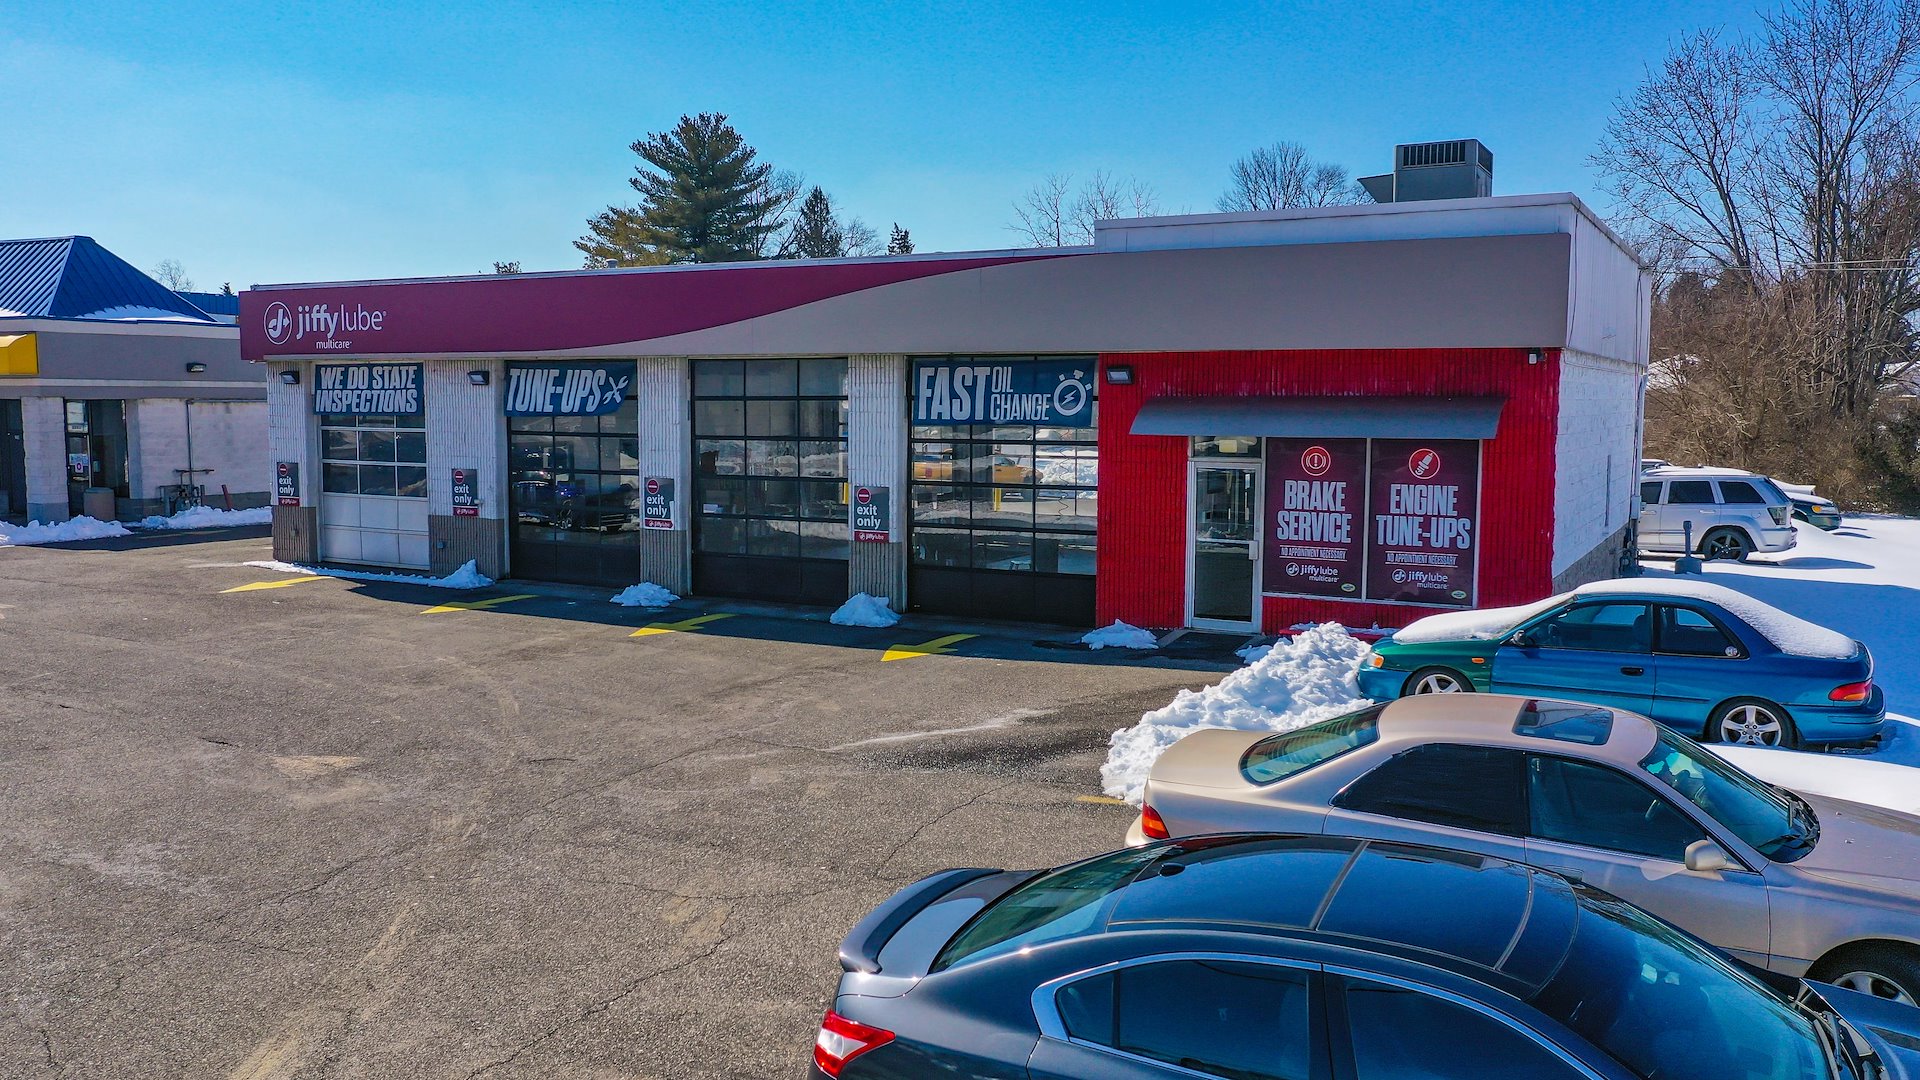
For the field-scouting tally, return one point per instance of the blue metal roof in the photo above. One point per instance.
(213, 303)
(72, 277)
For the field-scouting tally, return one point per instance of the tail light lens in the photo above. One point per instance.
(1853, 691)
(1781, 514)
(841, 1040)
(1152, 824)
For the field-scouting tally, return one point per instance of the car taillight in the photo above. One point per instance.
(1152, 824)
(1781, 514)
(841, 1040)
(1853, 691)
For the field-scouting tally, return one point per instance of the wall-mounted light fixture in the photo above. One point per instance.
(1534, 356)
(480, 378)
(1119, 375)
(291, 377)
(196, 367)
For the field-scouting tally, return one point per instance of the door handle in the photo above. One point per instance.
(1633, 671)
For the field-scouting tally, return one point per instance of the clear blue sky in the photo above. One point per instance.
(268, 142)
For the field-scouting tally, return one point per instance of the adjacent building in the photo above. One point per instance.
(1231, 421)
(116, 394)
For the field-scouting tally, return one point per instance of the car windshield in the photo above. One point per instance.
(1277, 757)
(1776, 825)
(1664, 1005)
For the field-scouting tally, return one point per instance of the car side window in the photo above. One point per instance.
(1397, 1033)
(1242, 1020)
(1576, 802)
(1685, 632)
(1741, 492)
(1650, 492)
(1622, 628)
(1482, 788)
(1690, 491)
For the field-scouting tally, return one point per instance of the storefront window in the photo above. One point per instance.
(1005, 497)
(1231, 446)
(374, 455)
(770, 457)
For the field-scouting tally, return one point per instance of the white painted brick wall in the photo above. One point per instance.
(466, 428)
(43, 422)
(1597, 453)
(290, 430)
(229, 438)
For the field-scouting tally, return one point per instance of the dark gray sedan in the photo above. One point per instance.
(1279, 957)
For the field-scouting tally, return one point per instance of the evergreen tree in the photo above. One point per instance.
(815, 233)
(900, 243)
(703, 198)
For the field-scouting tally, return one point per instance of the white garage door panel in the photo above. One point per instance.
(374, 529)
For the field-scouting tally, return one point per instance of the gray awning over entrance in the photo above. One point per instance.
(1323, 417)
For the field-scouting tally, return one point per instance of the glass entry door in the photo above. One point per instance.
(1224, 553)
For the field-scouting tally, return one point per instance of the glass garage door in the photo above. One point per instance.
(770, 479)
(373, 490)
(575, 497)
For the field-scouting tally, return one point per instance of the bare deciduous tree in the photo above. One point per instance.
(1055, 214)
(169, 272)
(1040, 217)
(1284, 176)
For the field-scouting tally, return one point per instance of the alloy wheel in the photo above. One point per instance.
(1751, 725)
(1867, 982)
(1437, 683)
(1725, 545)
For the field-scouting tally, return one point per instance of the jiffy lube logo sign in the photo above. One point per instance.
(568, 389)
(979, 390)
(320, 326)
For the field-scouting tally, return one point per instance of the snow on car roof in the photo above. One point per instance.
(1788, 633)
(1708, 471)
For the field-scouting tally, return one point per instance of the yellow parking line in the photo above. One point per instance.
(476, 605)
(681, 627)
(277, 583)
(931, 648)
(1103, 800)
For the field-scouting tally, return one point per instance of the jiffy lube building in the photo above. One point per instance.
(1238, 421)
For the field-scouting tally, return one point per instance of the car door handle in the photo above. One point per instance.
(1633, 671)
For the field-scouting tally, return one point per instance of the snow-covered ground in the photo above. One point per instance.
(1120, 635)
(1863, 581)
(208, 517)
(467, 577)
(61, 532)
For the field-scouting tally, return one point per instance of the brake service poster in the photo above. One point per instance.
(1316, 491)
(1423, 521)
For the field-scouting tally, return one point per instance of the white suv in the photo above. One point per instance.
(1734, 513)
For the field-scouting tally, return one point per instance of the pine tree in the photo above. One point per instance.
(703, 198)
(815, 233)
(900, 243)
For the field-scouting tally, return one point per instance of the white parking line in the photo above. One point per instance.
(1008, 720)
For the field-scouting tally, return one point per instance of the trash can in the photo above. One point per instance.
(97, 503)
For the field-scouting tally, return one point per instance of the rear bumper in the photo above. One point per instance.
(1842, 723)
(1779, 538)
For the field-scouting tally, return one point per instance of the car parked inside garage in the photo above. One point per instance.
(1799, 884)
(1732, 514)
(1699, 657)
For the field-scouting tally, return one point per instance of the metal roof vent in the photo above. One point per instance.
(1452, 169)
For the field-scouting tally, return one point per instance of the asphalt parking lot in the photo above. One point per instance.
(327, 828)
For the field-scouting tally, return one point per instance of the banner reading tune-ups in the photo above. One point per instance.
(1316, 495)
(1423, 512)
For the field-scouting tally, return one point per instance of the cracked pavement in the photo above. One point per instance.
(312, 833)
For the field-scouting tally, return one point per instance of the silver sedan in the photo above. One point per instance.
(1797, 883)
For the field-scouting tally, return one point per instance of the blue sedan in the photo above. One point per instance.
(1697, 657)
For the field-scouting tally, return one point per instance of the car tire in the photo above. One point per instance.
(1726, 543)
(1436, 680)
(1890, 972)
(1753, 722)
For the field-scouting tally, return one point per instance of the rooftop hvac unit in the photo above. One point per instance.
(1452, 169)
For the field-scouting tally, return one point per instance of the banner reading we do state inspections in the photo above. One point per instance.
(366, 389)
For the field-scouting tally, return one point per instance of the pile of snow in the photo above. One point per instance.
(64, 532)
(862, 609)
(467, 577)
(207, 517)
(1293, 684)
(646, 595)
(1120, 636)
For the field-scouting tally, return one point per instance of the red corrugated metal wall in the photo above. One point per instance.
(1143, 498)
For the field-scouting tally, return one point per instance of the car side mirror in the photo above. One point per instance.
(1705, 857)
(1520, 639)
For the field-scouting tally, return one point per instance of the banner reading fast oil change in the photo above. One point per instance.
(1423, 521)
(1057, 393)
(1314, 527)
